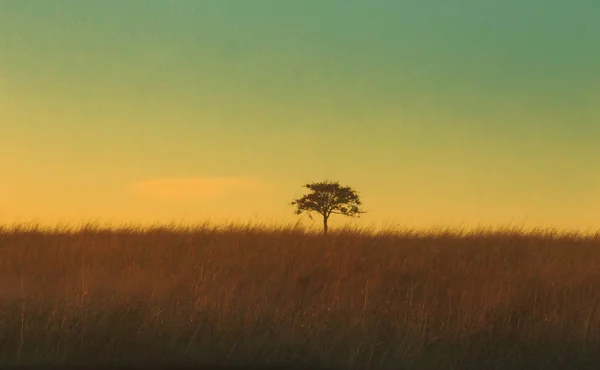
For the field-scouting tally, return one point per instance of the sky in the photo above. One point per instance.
(439, 113)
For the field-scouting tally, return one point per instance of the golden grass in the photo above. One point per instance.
(252, 294)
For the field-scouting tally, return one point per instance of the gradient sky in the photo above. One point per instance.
(439, 113)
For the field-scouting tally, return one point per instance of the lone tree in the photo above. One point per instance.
(327, 198)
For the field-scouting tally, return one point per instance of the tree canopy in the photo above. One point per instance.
(327, 198)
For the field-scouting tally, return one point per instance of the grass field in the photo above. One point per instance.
(257, 295)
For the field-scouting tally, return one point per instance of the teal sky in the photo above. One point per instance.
(439, 113)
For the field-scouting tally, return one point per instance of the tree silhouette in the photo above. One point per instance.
(327, 198)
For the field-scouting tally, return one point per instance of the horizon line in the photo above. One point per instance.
(299, 225)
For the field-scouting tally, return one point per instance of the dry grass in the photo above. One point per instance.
(260, 295)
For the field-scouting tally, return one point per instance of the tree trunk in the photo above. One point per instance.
(325, 224)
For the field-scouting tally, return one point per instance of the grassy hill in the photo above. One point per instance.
(257, 295)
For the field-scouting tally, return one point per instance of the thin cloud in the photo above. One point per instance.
(193, 188)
